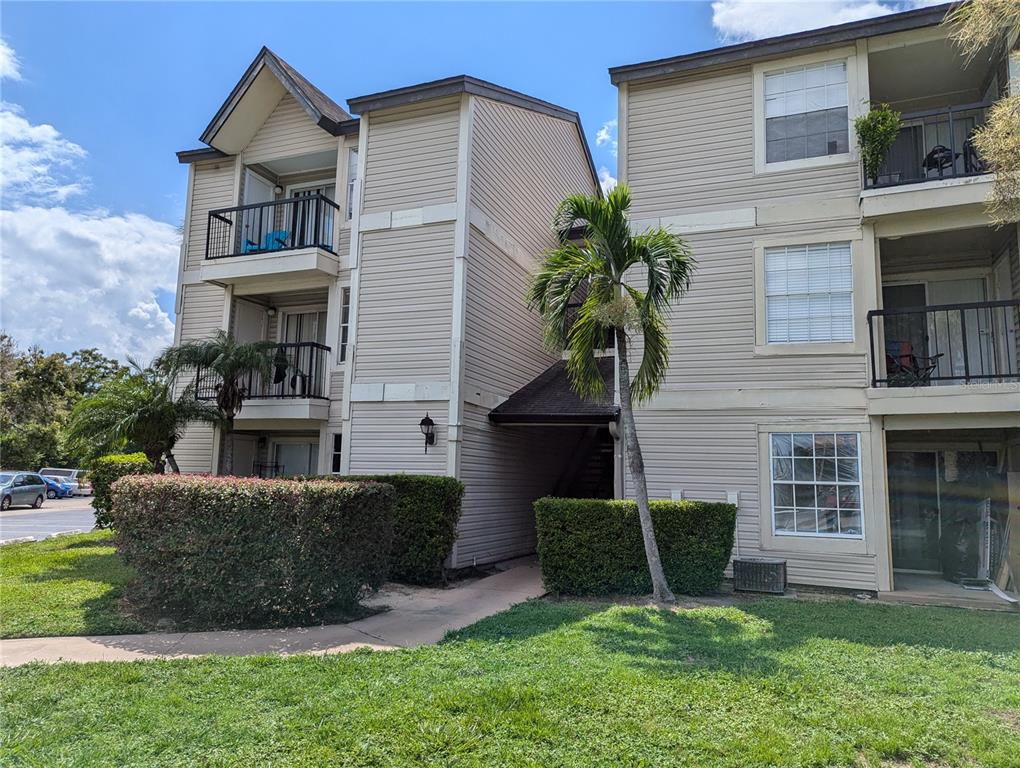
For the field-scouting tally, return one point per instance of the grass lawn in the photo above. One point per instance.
(769, 683)
(69, 585)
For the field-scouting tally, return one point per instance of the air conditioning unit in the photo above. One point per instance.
(759, 574)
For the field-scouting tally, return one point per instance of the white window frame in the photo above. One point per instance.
(298, 309)
(292, 440)
(875, 524)
(349, 184)
(333, 452)
(341, 347)
(857, 96)
(809, 293)
(859, 483)
(863, 294)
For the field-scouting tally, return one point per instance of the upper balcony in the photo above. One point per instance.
(293, 239)
(943, 98)
(935, 144)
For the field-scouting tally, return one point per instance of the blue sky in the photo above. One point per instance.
(100, 96)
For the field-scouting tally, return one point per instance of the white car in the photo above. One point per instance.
(75, 477)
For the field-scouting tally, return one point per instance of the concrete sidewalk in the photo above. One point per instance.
(416, 616)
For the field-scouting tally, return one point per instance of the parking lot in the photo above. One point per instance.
(55, 516)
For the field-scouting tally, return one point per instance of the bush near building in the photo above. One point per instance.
(106, 470)
(594, 546)
(233, 552)
(425, 515)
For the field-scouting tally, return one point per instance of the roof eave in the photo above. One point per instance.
(186, 156)
(774, 46)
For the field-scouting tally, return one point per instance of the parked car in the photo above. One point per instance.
(21, 488)
(73, 476)
(58, 488)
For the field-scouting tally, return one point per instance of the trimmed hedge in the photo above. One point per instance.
(104, 471)
(425, 518)
(594, 546)
(232, 552)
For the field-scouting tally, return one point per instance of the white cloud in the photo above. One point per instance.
(737, 20)
(10, 66)
(606, 179)
(37, 164)
(87, 279)
(74, 278)
(606, 136)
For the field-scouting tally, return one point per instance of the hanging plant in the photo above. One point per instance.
(876, 132)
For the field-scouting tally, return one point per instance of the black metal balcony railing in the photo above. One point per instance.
(281, 225)
(299, 371)
(974, 343)
(934, 144)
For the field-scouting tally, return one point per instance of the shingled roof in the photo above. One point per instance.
(550, 399)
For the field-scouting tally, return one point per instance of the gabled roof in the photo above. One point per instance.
(452, 86)
(326, 113)
(774, 46)
(550, 399)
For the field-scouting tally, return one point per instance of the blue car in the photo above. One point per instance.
(57, 488)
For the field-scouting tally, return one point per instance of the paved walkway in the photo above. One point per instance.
(416, 616)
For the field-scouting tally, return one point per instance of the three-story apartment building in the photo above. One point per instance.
(387, 256)
(844, 368)
(845, 365)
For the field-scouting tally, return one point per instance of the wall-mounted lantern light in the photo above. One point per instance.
(278, 189)
(428, 428)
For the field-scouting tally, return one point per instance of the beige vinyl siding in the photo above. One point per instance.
(385, 438)
(201, 316)
(503, 347)
(412, 157)
(690, 147)
(504, 469)
(712, 328)
(288, 132)
(405, 305)
(523, 164)
(212, 188)
(707, 454)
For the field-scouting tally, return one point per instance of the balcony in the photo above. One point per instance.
(933, 145)
(255, 246)
(947, 344)
(297, 389)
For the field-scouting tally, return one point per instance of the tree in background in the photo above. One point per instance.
(981, 25)
(136, 410)
(226, 364)
(37, 393)
(606, 267)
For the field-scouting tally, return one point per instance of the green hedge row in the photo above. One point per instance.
(104, 471)
(594, 547)
(230, 552)
(425, 516)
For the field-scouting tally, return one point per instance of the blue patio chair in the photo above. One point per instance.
(275, 240)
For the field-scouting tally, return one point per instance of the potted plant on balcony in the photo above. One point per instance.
(876, 132)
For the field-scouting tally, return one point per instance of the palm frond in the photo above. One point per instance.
(668, 263)
(654, 357)
(585, 338)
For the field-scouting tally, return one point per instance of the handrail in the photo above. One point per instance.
(281, 201)
(944, 307)
(961, 343)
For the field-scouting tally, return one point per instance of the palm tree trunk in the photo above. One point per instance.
(172, 462)
(228, 448)
(661, 593)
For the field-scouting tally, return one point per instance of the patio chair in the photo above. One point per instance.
(275, 240)
(906, 369)
(939, 158)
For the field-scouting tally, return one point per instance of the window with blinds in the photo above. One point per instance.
(806, 112)
(809, 293)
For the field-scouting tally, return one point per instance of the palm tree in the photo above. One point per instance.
(137, 408)
(228, 364)
(603, 268)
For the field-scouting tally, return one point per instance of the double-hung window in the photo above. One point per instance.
(816, 484)
(334, 459)
(345, 321)
(809, 293)
(806, 112)
(352, 178)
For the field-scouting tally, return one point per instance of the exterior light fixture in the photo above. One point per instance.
(278, 190)
(428, 428)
